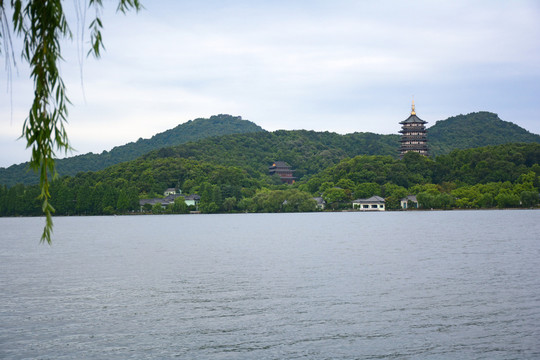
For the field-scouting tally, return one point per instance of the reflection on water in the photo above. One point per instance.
(458, 284)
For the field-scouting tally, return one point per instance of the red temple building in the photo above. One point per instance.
(283, 170)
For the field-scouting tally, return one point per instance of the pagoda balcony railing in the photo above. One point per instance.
(413, 126)
(422, 151)
(413, 138)
(406, 131)
(409, 143)
(412, 141)
(419, 144)
(413, 147)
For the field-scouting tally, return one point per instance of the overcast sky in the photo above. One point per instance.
(341, 66)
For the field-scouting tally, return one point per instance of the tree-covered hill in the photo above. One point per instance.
(505, 162)
(505, 175)
(475, 130)
(308, 152)
(496, 176)
(192, 130)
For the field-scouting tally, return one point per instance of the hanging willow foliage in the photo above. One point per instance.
(42, 25)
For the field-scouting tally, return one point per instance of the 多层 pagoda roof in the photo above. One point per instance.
(280, 164)
(413, 119)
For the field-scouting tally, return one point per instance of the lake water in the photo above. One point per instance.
(391, 285)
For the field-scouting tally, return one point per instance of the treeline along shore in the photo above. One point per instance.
(476, 161)
(502, 176)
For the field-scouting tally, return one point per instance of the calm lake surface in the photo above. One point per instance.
(392, 285)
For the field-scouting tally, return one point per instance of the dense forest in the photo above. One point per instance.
(309, 152)
(495, 176)
(475, 130)
(192, 130)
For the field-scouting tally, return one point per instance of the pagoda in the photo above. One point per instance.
(413, 135)
(283, 170)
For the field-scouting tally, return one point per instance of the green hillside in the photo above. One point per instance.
(475, 130)
(494, 163)
(192, 130)
(496, 176)
(308, 152)
(246, 145)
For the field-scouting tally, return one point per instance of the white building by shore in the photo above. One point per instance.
(374, 203)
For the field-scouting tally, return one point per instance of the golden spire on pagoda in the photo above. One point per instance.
(413, 112)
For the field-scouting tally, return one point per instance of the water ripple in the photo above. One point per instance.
(324, 286)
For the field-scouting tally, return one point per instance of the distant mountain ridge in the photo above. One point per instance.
(309, 152)
(473, 130)
(226, 139)
(192, 130)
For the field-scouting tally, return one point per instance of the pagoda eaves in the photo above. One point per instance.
(414, 135)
